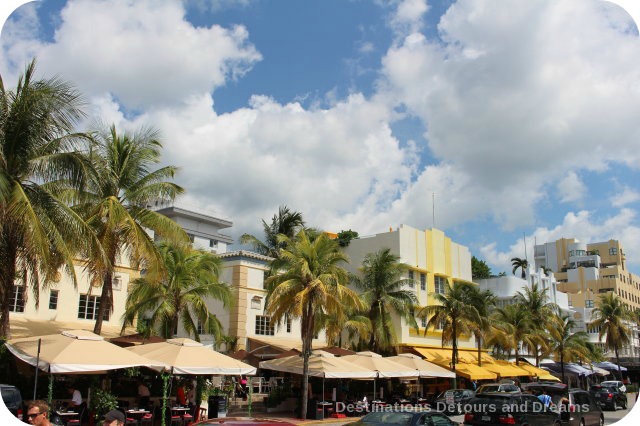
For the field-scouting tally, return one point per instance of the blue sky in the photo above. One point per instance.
(521, 117)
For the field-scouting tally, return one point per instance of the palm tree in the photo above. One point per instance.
(353, 322)
(536, 302)
(311, 281)
(381, 281)
(454, 313)
(512, 327)
(566, 344)
(484, 301)
(609, 317)
(285, 222)
(521, 264)
(39, 161)
(115, 204)
(178, 292)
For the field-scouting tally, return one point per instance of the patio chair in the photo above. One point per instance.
(147, 420)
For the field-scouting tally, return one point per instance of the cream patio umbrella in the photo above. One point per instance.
(186, 356)
(321, 364)
(425, 368)
(75, 351)
(385, 367)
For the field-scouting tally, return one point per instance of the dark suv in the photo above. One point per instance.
(501, 408)
(609, 397)
(12, 400)
(575, 407)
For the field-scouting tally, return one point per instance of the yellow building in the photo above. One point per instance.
(434, 261)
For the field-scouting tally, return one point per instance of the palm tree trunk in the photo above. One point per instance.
(307, 337)
(7, 280)
(537, 357)
(454, 352)
(479, 343)
(615, 350)
(105, 302)
(562, 367)
(517, 355)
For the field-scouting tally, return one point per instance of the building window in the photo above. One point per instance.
(613, 251)
(53, 300)
(263, 326)
(116, 283)
(88, 308)
(288, 325)
(213, 243)
(440, 283)
(588, 303)
(440, 325)
(424, 322)
(256, 302)
(411, 279)
(191, 237)
(199, 327)
(16, 303)
(423, 282)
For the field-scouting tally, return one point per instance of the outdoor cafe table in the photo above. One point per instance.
(67, 415)
(325, 407)
(137, 414)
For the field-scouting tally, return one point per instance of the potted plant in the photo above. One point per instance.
(101, 403)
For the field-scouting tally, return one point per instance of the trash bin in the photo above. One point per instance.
(217, 406)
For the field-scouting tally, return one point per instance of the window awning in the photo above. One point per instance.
(506, 369)
(470, 370)
(474, 372)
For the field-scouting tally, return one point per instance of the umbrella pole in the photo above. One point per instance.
(250, 393)
(35, 383)
(322, 398)
(374, 389)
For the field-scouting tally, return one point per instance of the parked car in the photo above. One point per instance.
(615, 383)
(450, 401)
(244, 421)
(518, 409)
(575, 407)
(609, 397)
(12, 400)
(405, 418)
(498, 387)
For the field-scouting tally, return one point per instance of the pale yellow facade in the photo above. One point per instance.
(431, 256)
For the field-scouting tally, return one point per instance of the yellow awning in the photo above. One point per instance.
(539, 372)
(505, 369)
(474, 372)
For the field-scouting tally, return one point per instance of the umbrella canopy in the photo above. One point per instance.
(186, 356)
(425, 368)
(610, 366)
(75, 351)
(321, 364)
(569, 368)
(384, 366)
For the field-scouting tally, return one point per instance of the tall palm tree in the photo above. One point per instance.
(512, 326)
(177, 292)
(566, 345)
(311, 281)
(484, 301)
(454, 313)
(536, 302)
(39, 161)
(116, 200)
(285, 222)
(609, 317)
(381, 281)
(353, 322)
(521, 264)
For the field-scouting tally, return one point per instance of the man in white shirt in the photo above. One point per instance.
(76, 397)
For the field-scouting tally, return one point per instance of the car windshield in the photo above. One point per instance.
(610, 384)
(7, 395)
(488, 388)
(394, 418)
(456, 393)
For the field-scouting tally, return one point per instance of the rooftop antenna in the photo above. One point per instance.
(524, 238)
(433, 210)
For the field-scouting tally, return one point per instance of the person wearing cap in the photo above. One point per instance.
(114, 418)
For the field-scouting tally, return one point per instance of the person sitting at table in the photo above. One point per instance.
(114, 418)
(38, 413)
(181, 394)
(143, 394)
